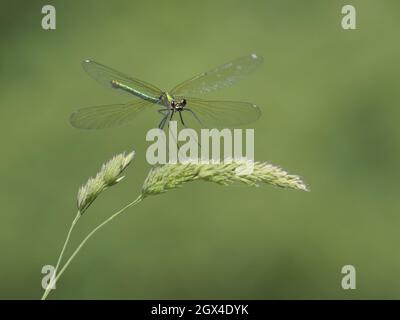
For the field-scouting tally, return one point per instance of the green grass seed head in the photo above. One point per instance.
(170, 176)
(109, 175)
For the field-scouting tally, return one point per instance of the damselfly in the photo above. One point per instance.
(207, 113)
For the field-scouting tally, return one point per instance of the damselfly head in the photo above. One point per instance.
(114, 84)
(178, 105)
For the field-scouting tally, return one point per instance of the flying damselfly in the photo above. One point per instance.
(207, 113)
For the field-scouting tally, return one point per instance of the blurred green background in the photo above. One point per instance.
(330, 102)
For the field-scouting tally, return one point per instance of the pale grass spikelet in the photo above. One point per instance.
(170, 176)
(111, 171)
(163, 178)
(109, 175)
(89, 192)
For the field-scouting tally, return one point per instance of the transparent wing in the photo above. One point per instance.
(106, 75)
(221, 113)
(107, 116)
(220, 77)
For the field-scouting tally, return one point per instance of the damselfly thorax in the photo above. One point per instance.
(171, 103)
(172, 106)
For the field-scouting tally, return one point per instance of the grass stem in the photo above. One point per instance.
(58, 275)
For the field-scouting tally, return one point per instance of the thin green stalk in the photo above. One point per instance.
(52, 281)
(136, 201)
(78, 215)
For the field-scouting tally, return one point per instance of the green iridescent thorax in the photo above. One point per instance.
(171, 103)
(166, 99)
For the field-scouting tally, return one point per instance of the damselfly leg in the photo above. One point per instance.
(165, 113)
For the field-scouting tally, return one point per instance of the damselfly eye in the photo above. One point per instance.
(183, 102)
(173, 104)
